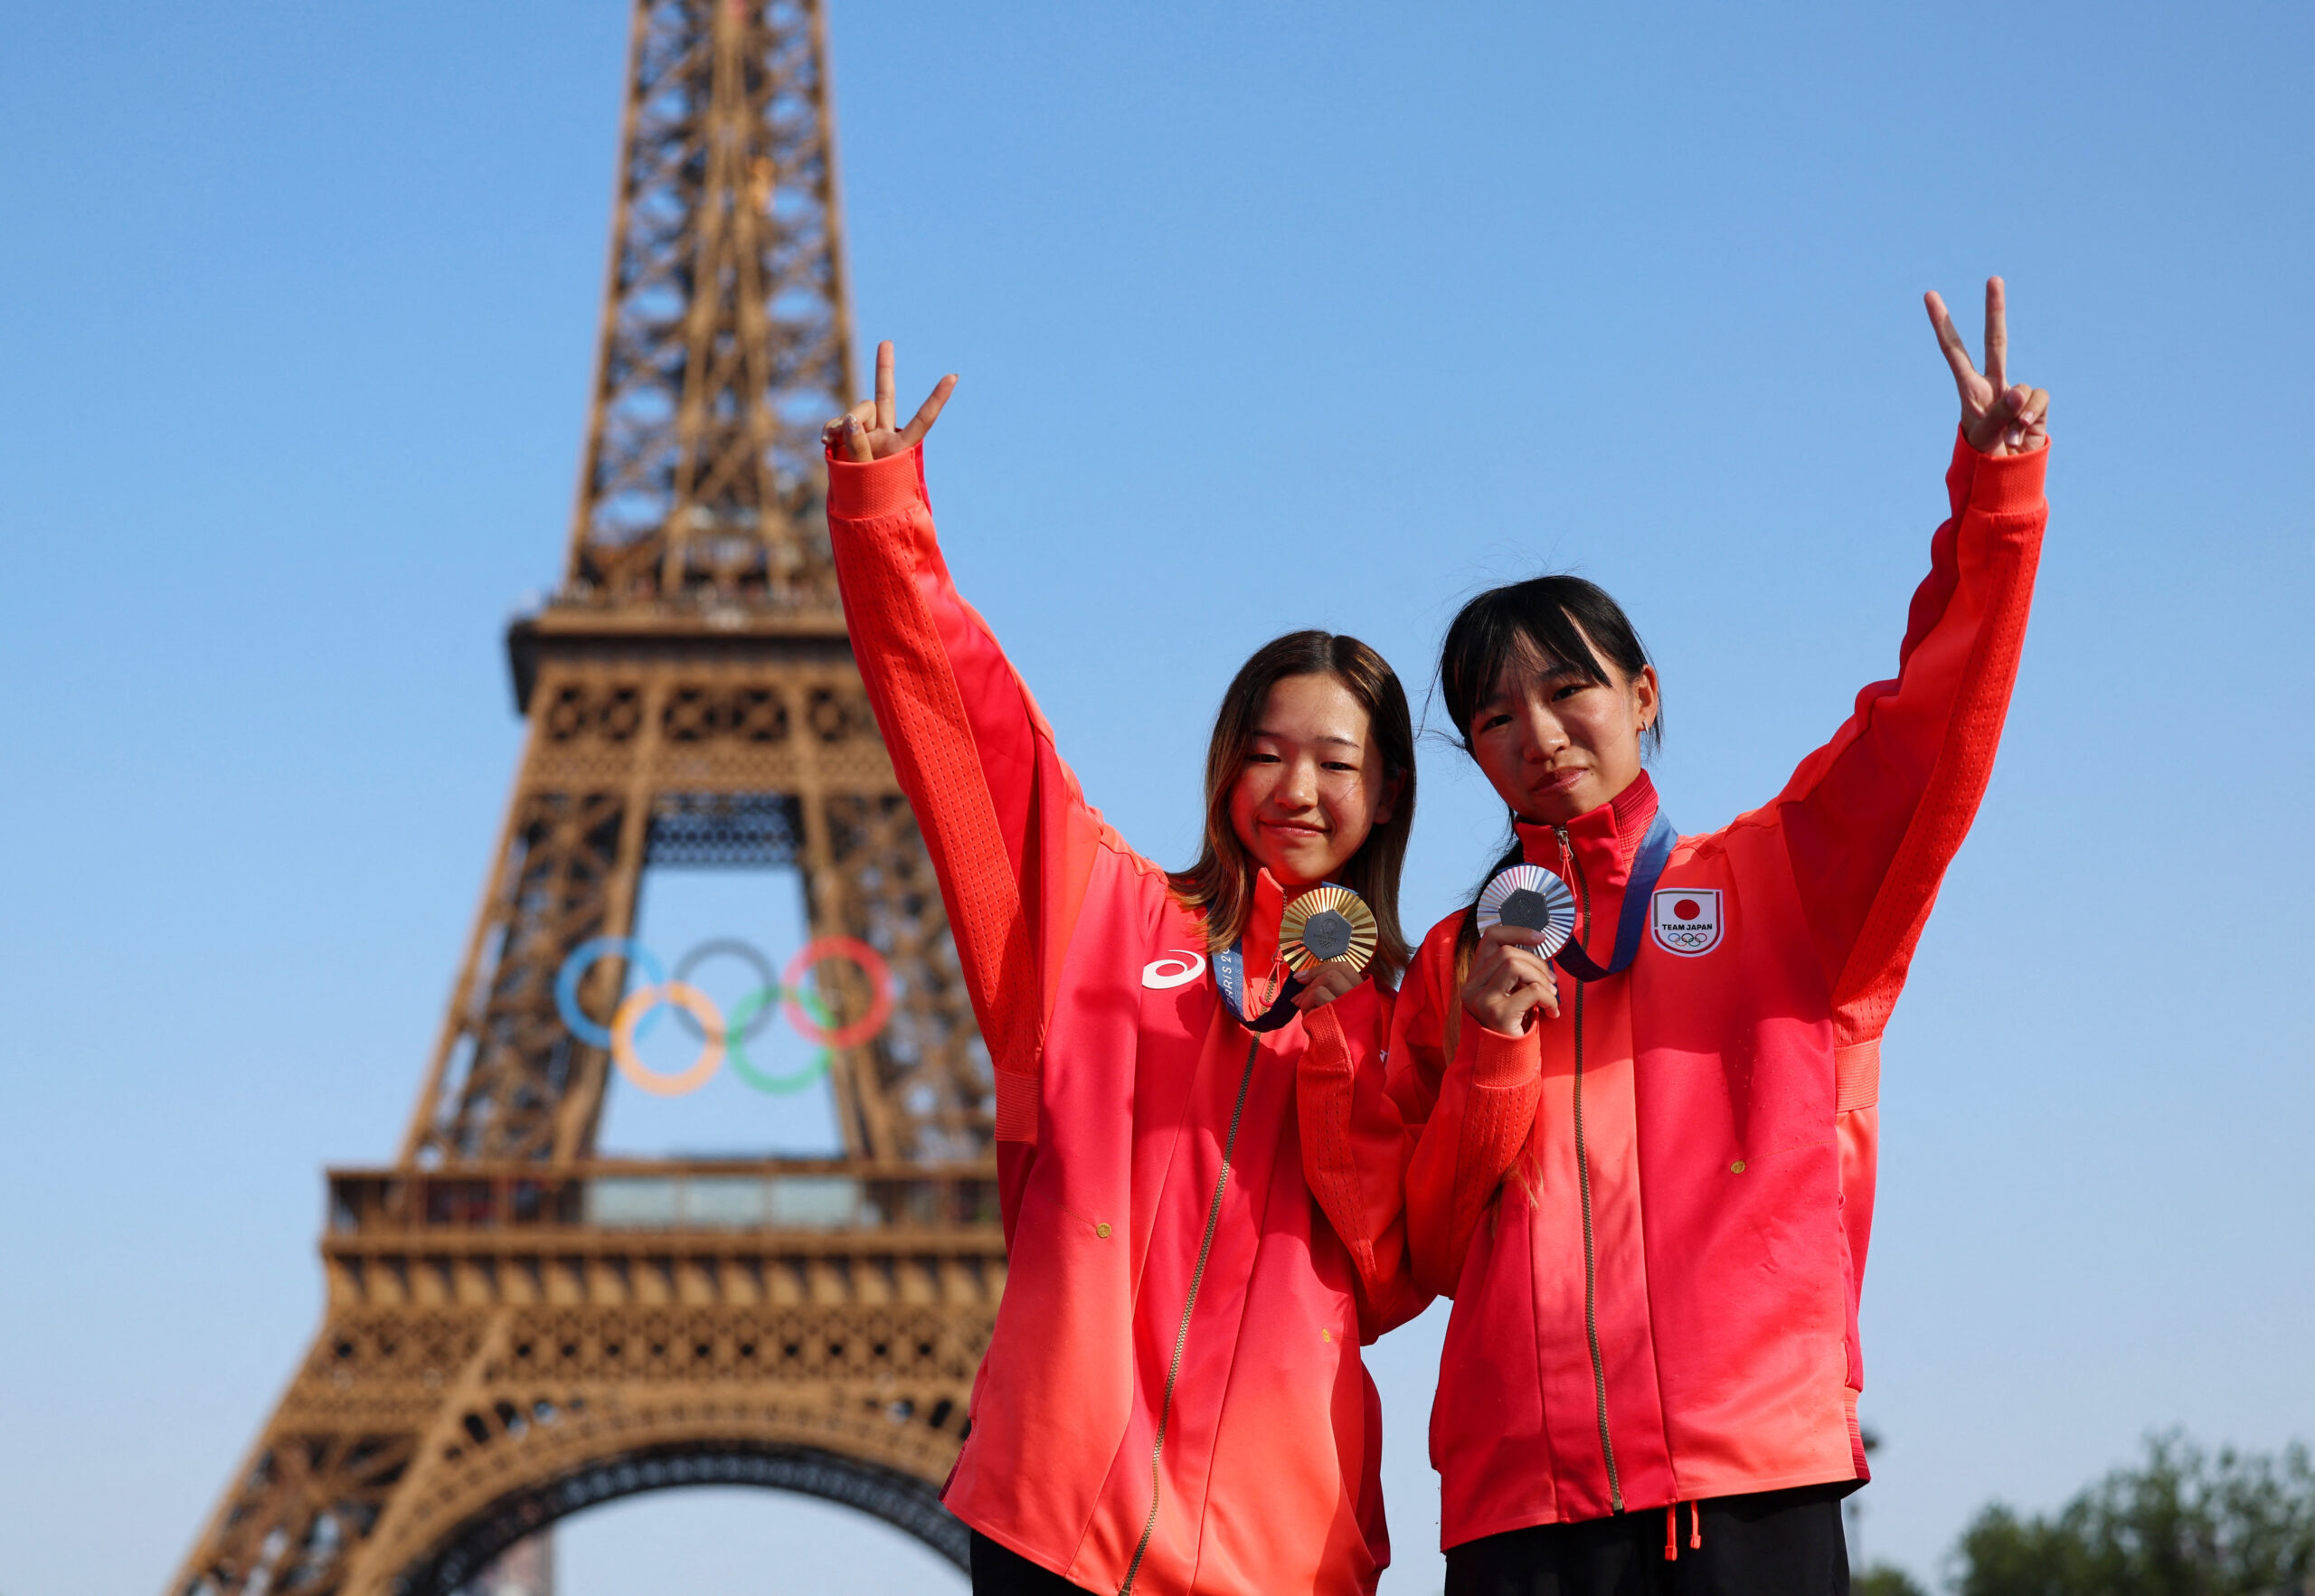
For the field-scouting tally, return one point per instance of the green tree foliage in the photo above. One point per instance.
(1884, 1579)
(2181, 1523)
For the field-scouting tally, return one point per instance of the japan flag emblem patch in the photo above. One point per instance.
(1687, 920)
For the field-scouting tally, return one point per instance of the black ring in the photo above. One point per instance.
(747, 951)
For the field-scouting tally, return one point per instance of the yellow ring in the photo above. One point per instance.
(641, 1002)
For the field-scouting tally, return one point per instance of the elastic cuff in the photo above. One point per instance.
(1857, 1075)
(1506, 1060)
(2008, 484)
(1016, 1105)
(890, 486)
(1328, 1053)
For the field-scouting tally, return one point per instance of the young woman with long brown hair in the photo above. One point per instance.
(1198, 1163)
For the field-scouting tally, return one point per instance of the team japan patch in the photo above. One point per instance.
(1687, 921)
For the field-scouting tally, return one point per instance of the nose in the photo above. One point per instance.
(1298, 784)
(1546, 735)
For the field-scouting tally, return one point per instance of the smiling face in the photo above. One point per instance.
(1556, 744)
(1312, 786)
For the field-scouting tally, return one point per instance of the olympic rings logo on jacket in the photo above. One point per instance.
(721, 1036)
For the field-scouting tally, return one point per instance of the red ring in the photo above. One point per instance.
(872, 964)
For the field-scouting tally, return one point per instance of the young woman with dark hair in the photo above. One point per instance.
(1199, 1166)
(1646, 1163)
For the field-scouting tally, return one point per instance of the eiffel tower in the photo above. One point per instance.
(517, 1327)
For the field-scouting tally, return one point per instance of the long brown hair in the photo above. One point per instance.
(1222, 881)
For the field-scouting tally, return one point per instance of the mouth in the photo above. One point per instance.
(1291, 831)
(1556, 783)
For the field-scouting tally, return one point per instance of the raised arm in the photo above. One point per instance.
(1010, 836)
(1871, 819)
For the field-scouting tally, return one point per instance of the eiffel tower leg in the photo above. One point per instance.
(325, 1466)
(473, 1383)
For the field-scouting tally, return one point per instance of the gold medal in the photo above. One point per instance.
(1327, 925)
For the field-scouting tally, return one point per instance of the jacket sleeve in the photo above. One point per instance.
(1011, 836)
(1355, 1149)
(1471, 1094)
(1871, 819)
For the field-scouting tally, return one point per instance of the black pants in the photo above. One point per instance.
(999, 1571)
(1775, 1544)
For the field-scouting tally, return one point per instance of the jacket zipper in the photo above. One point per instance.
(1182, 1336)
(1584, 1189)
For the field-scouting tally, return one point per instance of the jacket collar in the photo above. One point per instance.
(1602, 840)
(1260, 938)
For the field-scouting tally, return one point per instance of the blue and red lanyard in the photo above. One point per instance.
(1230, 976)
(1647, 868)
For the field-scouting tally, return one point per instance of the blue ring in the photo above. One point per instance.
(582, 959)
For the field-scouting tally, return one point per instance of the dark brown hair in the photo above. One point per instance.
(1559, 618)
(1221, 881)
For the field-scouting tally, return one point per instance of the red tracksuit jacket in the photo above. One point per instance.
(1652, 1213)
(1127, 1095)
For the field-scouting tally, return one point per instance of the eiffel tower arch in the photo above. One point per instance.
(518, 1327)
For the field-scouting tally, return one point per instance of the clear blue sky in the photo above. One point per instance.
(1267, 317)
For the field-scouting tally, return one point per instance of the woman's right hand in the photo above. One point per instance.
(866, 432)
(1998, 417)
(1509, 981)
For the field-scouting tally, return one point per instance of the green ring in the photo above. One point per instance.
(736, 1052)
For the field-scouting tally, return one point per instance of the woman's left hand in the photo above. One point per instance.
(1323, 984)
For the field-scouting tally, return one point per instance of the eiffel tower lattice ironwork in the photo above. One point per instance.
(517, 1327)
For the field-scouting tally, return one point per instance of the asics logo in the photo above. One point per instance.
(1176, 968)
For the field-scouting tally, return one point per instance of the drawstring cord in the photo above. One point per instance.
(1672, 1530)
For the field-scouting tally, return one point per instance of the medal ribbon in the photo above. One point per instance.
(1647, 867)
(1229, 975)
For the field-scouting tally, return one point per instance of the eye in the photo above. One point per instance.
(1569, 691)
(1494, 723)
(1340, 765)
(1261, 757)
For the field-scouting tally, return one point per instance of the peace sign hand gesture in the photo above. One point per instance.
(866, 432)
(1995, 418)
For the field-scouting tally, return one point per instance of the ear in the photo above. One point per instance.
(1647, 697)
(1393, 786)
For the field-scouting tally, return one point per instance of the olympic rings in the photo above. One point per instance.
(722, 1038)
(747, 1008)
(582, 959)
(642, 1001)
(872, 964)
(744, 951)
